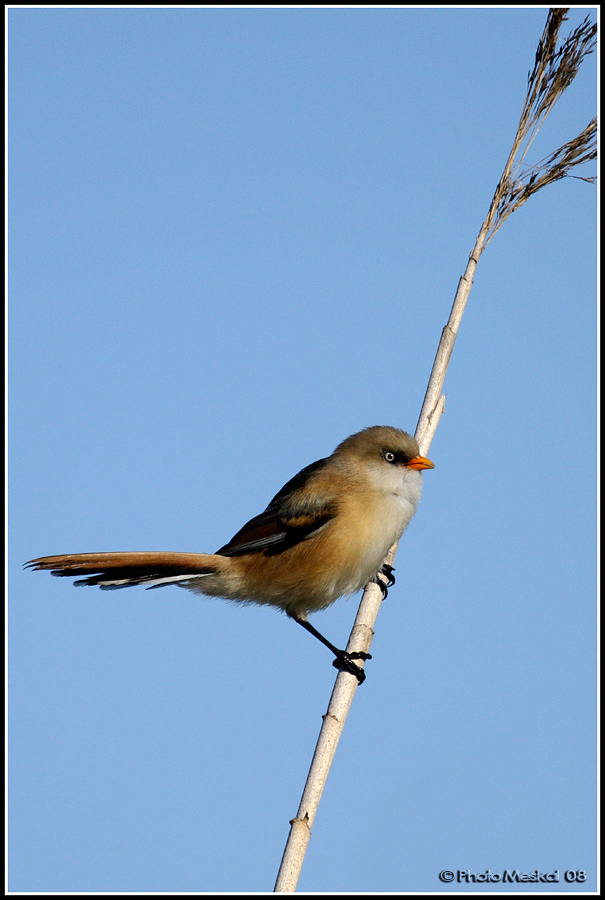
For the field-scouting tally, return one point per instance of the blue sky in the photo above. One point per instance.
(235, 237)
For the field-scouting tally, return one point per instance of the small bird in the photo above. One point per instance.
(325, 534)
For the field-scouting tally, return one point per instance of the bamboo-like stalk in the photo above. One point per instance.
(553, 71)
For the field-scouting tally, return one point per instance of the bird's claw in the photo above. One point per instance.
(344, 663)
(387, 571)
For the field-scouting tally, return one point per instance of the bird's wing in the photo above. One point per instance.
(296, 513)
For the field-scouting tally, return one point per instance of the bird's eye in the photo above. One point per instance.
(389, 456)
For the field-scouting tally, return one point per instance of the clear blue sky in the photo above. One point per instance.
(235, 237)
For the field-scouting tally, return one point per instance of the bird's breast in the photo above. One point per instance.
(368, 528)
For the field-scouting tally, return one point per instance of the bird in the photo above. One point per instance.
(324, 535)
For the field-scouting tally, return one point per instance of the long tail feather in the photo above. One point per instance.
(117, 570)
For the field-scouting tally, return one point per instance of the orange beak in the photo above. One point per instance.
(419, 463)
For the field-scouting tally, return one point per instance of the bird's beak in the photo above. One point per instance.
(419, 463)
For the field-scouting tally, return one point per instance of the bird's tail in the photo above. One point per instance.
(118, 570)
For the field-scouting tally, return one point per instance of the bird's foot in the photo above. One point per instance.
(387, 572)
(344, 662)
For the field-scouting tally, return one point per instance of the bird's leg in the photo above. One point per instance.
(387, 571)
(343, 659)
